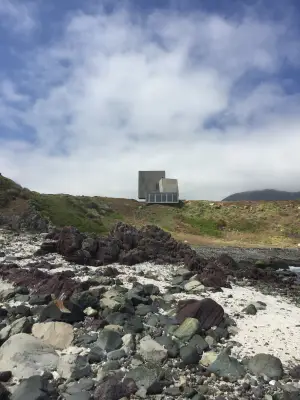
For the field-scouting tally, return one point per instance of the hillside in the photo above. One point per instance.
(199, 222)
(263, 195)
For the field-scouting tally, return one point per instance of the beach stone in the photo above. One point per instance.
(5, 376)
(152, 351)
(250, 309)
(171, 346)
(207, 311)
(109, 340)
(148, 378)
(199, 343)
(34, 388)
(188, 328)
(266, 365)
(189, 355)
(4, 393)
(193, 286)
(73, 366)
(208, 358)
(26, 356)
(226, 366)
(111, 388)
(57, 334)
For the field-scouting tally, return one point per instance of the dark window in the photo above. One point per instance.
(158, 198)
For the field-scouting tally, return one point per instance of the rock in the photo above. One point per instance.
(53, 313)
(189, 355)
(148, 378)
(26, 356)
(171, 346)
(5, 376)
(188, 328)
(208, 312)
(83, 384)
(226, 366)
(34, 388)
(57, 334)
(250, 309)
(193, 286)
(20, 325)
(78, 396)
(96, 355)
(111, 388)
(4, 393)
(266, 365)
(152, 351)
(208, 358)
(73, 366)
(109, 340)
(39, 299)
(199, 343)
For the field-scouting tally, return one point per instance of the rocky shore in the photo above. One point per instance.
(147, 317)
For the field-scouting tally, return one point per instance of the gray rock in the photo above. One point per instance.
(83, 384)
(171, 346)
(152, 351)
(226, 366)
(116, 354)
(26, 356)
(199, 343)
(33, 388)
(188, 328)
(189, 355)
(73, 366)
(266, 365)
(77, 396)
(250, 309)
(109, 340)
(57, 334)
(145, 377)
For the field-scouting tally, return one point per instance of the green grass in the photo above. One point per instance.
(10, 190)
(203, 226)
(85, 213)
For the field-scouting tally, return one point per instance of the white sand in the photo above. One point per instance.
(273, 330)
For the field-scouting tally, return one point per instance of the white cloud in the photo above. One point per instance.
(116, 94)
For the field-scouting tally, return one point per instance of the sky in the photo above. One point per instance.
(92, 91)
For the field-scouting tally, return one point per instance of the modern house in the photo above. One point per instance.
(154, 187)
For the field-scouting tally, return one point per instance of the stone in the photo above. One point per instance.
(199, 343)
(266, 365)
(189, 355)
(111, 388)
(250, 309)
(188, 328)
(171, 346)
(152, 351)
(194, 286)
(53, 313)
(73, 366)
(207, 311)
(109, 340)
(208, 358)
(57, 334)
(34, 388)
(148, 378)
(5, 376)
(226, 366)
(26, 356)
(4, 393)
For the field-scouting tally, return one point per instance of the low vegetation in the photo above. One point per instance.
(242, 223)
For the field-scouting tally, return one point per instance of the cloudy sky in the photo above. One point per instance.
(92, 92)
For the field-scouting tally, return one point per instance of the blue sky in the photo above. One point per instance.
(93, 91)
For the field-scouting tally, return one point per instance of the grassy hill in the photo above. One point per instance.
(242, 223)
(263, 195)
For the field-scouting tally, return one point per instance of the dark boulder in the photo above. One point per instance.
(208, 312)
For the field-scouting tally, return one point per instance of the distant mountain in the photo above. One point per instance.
(264, 195)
